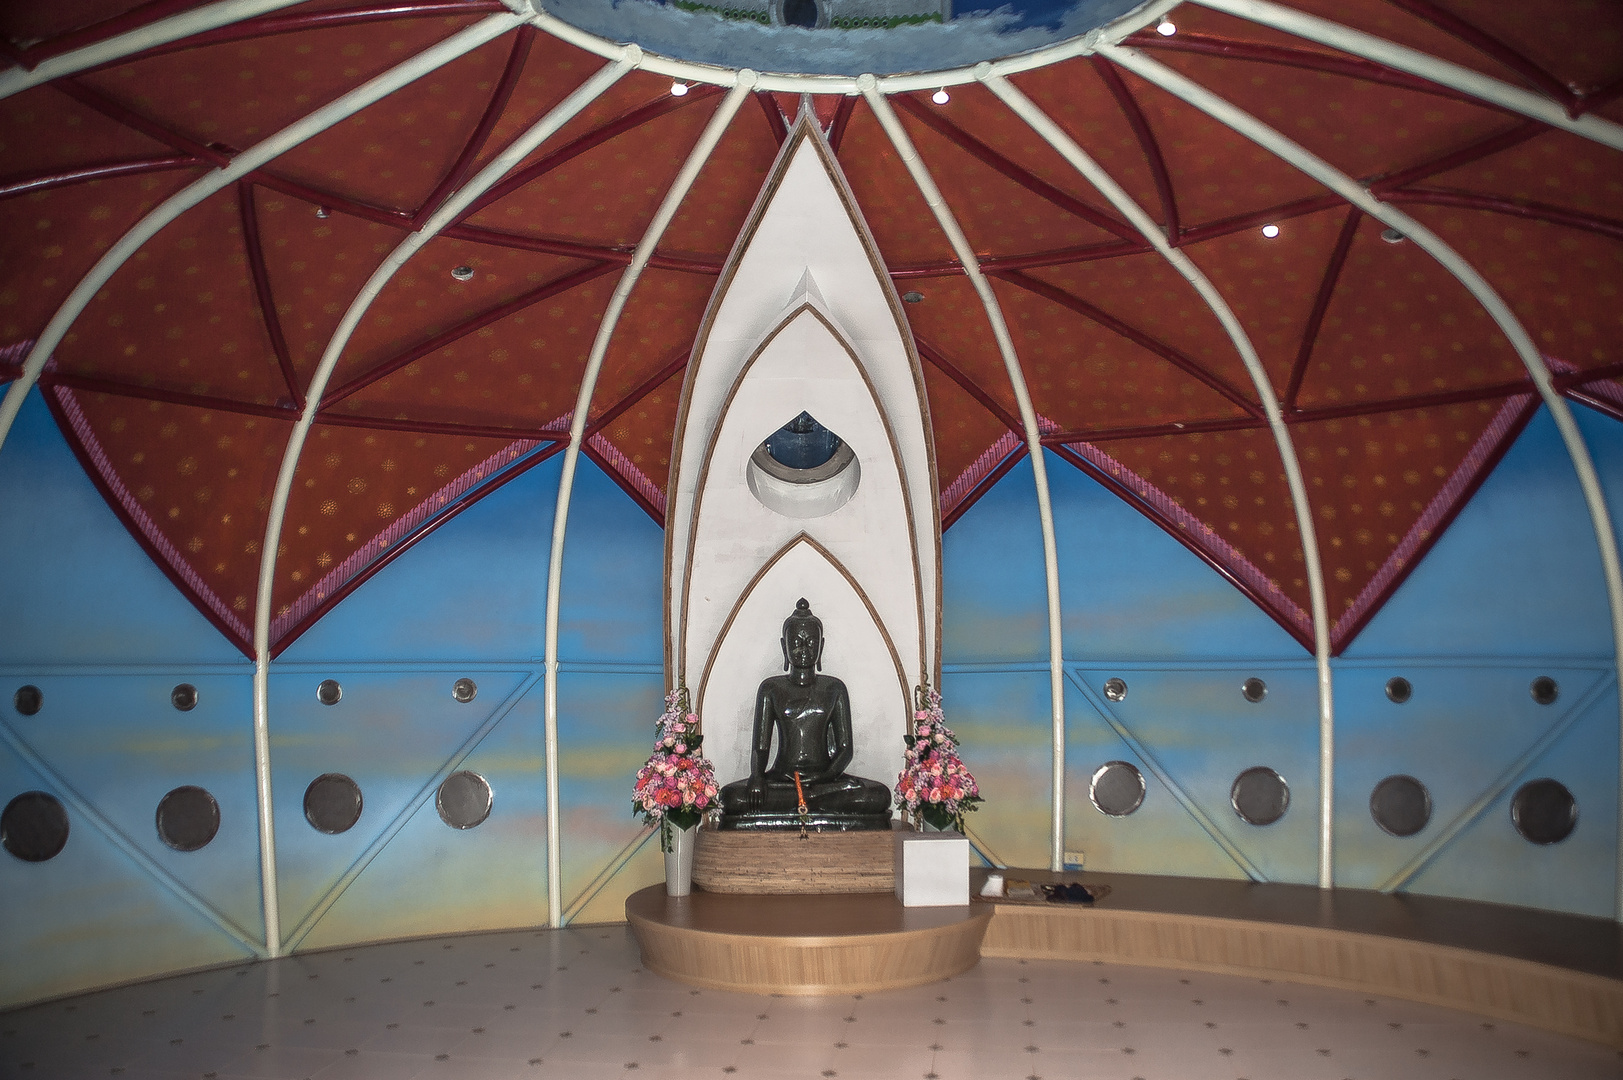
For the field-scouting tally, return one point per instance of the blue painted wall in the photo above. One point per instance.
(1512, 591)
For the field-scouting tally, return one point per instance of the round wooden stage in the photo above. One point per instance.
(834, 943)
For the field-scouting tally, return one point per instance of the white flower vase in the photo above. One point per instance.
(679, 861)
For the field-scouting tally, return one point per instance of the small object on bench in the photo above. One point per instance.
(1074, 893)
(932, 869)
(993, 889)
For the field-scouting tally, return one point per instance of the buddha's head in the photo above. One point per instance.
(802, 638)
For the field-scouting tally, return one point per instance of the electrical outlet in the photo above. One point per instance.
(1074, 859)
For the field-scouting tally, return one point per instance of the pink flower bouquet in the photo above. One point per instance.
(935, 783)
(678, 784)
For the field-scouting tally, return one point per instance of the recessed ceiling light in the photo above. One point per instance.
(321, 212)
(463, 273)
(1166, 29)
(1270, 231)
(1392, 236)
(678, 89)
(940, 96)
(912, 297)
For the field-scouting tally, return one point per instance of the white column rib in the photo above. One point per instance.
(162, 32)
(1080, 160)
(1428, 67)
(1028, 420)
(1467, 275)
(490, 174)
(716, 75)
(216, 180)
(745, 82)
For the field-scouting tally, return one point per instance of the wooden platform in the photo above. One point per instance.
(787, 863)
(803, 945)
(1559, 972)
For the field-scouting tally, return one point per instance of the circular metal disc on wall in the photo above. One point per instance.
(188, 818)
(1115, 689)
(463, 800)
(1260, 796)
(1117, 788)
(1544, 690)
(184, 697)
(34, 826)
(1398, 690)
(1253, 689)
(28, 699)
(329, 692)
(332, 803)
(1544, 811)
(1400, 805)
(464, 690)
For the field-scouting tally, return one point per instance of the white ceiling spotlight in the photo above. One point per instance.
(1270, 231)
(679, 89)
(462, 273)
(940, 97)
(1166, 28)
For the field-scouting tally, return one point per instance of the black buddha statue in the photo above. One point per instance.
(811, 714)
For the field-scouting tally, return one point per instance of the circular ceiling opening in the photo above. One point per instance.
(852, 37)
(803, 470)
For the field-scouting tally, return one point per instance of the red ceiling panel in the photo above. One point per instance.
(1384, 487)
(530, 363)
(358, 492)
(896, 213)
(1076, 98)
(1000, 213)
(1399, 324)
(1272, 285)
(1147, 294)
(1562, 283)
(1085, 376)
(394, 153)
(50, 239)
(1217, 173)
(192, 484)
(43, 131)
(714, 211)
(1362, 128)
(236, 93)
(423, 301)
(183, 315)
(1554, 169)
(314, 267)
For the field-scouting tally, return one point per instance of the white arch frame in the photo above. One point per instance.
(1096, 175)
(1467, 275)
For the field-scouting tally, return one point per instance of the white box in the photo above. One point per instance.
(932, 869)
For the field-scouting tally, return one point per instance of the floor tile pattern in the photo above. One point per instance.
(576, 1003)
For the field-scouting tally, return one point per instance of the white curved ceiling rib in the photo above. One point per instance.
(1096, 175)
(453, 207)
(713, 131)
(150, 36)
(1033, 435)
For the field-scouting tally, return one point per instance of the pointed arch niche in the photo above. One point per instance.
(804, 321)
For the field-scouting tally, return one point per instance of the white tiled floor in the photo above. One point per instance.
(576, 1003)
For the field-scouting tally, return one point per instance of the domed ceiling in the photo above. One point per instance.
(179, 380)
